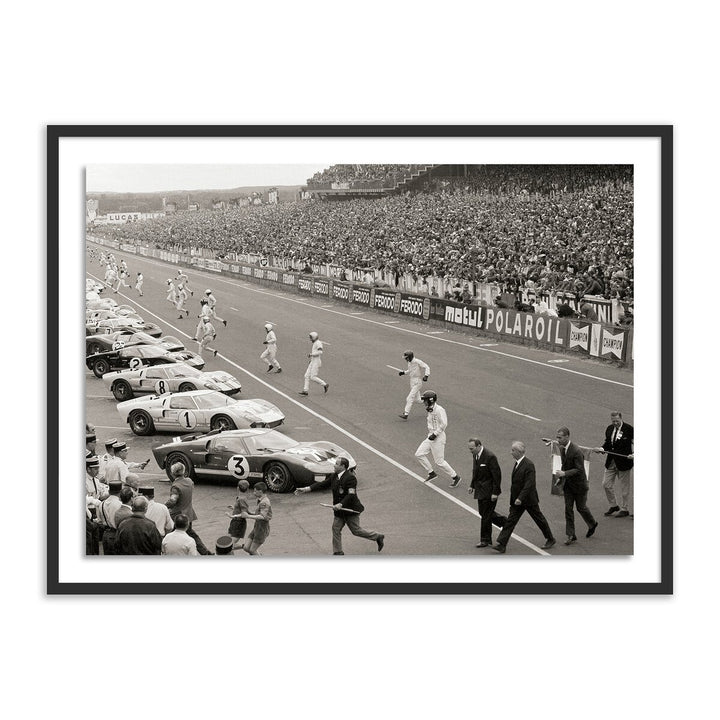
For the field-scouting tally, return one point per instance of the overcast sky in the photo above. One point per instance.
(154, 178)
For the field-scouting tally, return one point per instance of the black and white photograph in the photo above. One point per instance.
(387, 360)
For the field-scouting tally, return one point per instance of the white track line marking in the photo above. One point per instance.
(348, 434)
(283, 296)
(391, 322)
(436, 332)
(515, 412)
(235, 309)
(558, 361)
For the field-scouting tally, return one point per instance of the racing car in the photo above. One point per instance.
(112, 325)
(135, 356)
(198, 409)
(173, 377)
(254, 454)
(116, 341)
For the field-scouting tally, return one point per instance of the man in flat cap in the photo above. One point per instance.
(157, 512)
(136, 535)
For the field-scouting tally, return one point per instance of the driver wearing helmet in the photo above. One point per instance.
(434, 443)
(419, 373)
(315, 356)
(270, 351)
(212, 302)
(207, 335)
(171, 296)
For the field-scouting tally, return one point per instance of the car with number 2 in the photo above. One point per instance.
(136, 356)
(254, 454)
(197, 410)
(171, 377)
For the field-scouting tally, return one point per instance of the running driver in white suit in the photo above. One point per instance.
(212, 302)
(434, 443)
(271, 350)
(419, 373)
(315, 356)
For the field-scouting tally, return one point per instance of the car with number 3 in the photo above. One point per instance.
(171, 377)
(253, 454)
(197, 410)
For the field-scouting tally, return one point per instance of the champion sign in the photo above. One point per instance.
(613, 344)
(579, 336)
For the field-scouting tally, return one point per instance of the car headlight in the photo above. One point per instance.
(211, 386)
(318, 478)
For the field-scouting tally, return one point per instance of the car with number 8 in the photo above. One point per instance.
(253, 454)
(197, 410)
(170, 377)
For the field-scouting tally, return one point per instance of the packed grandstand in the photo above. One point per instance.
(565, 229)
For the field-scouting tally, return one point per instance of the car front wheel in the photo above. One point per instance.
(100, 367)
(176, 457)
(187, 387)
(222, 422)
(277, 478)
(141, 423)
(122, 391)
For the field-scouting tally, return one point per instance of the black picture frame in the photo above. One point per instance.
(57, 133)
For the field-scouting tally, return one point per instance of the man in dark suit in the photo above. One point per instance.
(485, 485)
(523, 496)
(619, 446)
(346, 505)
(575, 485)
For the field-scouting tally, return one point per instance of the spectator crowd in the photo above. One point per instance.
(566, 229)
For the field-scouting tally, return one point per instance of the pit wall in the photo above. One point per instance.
(599, 340)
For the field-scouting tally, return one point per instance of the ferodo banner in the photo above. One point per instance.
(386, 300)
(321, 287)
(361, 295)
(305, 284)
(415, 305)
(528, 326)
(289, 279)
(340, 291)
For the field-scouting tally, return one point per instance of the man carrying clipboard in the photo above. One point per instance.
(346, 505)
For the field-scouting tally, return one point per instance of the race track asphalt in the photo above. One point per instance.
(499, 392)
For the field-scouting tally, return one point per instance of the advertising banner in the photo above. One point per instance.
(321, 287)
(415, 305)
(289, 278)
(362, 295)
(305, 284)
(458, 313)
(612, 343)
(340, 291)
(528, 326)
(579, 335)
(386, 300)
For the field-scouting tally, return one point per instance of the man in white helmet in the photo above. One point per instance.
(315, 356)
(434, 443)
(419, 373)
(207, 335)
(180, 298)
(171, 293)
(212, 302)
(185, 280)
(269, 354)
(204, 313)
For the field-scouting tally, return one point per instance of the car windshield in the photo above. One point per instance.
(269, 441)
(183, 371)
(150, 351)
(213, 400)
(144, 338)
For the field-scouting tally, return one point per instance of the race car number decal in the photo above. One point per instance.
(238, 466)
(135, 363)
(161, 387)
(187, 419)
(118, 345)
